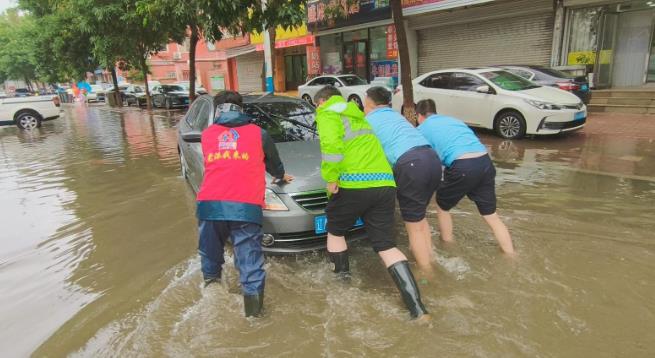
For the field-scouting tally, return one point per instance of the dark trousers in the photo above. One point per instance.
(248, 256)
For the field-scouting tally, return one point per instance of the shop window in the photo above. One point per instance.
(583, 27)
(331, 53)
(355, 35)
(379, 43)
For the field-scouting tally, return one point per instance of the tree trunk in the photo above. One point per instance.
(193, 42)
(117, 93)
(144, 69)
(405, 66)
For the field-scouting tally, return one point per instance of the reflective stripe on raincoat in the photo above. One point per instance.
(351, 154)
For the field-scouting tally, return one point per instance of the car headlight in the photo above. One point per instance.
(544, 105)
(273, 202)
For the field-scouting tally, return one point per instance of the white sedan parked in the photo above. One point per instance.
(499, 100)
(352, 87)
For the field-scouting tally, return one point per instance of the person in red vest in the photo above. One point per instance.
(236, 154)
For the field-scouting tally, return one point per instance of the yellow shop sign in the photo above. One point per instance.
(280, 34)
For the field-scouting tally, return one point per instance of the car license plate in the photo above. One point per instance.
(320, 224)
(580, 116)
(584, 88)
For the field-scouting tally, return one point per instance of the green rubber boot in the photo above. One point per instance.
(404, 279)
(253, 304)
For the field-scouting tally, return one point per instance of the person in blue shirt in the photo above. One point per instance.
(416, 169)
(469, 171)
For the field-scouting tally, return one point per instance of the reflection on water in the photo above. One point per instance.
(98, 257)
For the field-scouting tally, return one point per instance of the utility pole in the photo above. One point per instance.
(270, 87)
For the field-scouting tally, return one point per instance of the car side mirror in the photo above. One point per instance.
(484, 89)
(191, 137)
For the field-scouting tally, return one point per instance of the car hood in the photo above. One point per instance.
(303, 161)
(549, 94)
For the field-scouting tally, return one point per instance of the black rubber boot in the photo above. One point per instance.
(404, 279)
(253, 304)
(341, 264)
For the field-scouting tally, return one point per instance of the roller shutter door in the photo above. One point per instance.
(249, 71)
(501, 39)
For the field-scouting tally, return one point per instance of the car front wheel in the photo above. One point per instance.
(28, 120)
(307, 98)
(356, 100)
(510, 125)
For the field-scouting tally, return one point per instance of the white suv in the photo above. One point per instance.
(499, 100)
(29, 112)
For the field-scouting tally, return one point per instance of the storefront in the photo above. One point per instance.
(291, 66)
(363, 42)
(614, 39)
(465, 33)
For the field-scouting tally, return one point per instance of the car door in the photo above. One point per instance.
(467, 103)
(435, 87)
(197, 120)
(156, 96)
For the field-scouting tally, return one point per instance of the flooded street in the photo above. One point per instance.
(98, 257)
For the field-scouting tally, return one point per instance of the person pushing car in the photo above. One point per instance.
(469, 171)
(416, 168)
(361, 184)
(236, 155)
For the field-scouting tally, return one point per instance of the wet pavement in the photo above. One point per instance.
(98, 238)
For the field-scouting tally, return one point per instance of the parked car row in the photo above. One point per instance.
(163, 96)
(512, 100)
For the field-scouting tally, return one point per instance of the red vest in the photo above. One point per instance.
(234, 165)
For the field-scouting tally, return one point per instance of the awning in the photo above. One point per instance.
(238, 51)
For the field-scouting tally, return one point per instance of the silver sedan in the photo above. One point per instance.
(294, 216)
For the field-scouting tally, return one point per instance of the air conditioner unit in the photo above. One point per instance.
(177, 56)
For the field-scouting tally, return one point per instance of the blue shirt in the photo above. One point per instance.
(394, 132)
(450, 137)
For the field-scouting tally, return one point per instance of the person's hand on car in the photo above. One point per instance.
(333, 188)
(287, 178)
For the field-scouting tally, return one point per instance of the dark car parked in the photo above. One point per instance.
(135, 95)
(546, 76)
(169, 96)
(294, 217)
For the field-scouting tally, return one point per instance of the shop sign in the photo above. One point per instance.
(589, 57)
(329, 14)
(421, 6)
(281, 34)
(313, 60)
(392, 42)
(300, 41)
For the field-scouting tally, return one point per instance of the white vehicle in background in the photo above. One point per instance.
(97, 93)
(352, 87)
(497, 99)
(29, 112)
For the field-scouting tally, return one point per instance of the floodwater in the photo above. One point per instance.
(98, 257)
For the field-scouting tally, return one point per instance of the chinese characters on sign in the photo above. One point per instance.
(313, 60)
(327, 14)
(392, 42)
(227, 155)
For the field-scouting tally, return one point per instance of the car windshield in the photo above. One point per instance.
(287, 121)
(352, 80)
(553, 72)
(509, 81)
(171, 88)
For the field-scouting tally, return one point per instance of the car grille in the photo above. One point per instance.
(564, 125)
(308, 239)
(312, 201)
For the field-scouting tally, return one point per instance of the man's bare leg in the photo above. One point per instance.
(336, 243)
(420, 242)
(445, 225)
(391, 256)
(500, 232)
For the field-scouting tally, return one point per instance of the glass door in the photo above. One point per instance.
(295, 71)
(355, 58)
(605, 53)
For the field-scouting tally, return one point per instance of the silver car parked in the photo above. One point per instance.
(294, 216)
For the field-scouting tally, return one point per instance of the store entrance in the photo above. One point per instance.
(295, 71)
(355, 58)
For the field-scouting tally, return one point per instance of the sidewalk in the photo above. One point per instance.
(622, 125)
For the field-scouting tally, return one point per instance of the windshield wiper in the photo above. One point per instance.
(293, 121)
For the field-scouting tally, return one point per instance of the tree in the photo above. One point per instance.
(405, 65)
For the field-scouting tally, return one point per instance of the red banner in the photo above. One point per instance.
(392, 42)
(313, 60)
(298, 41)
